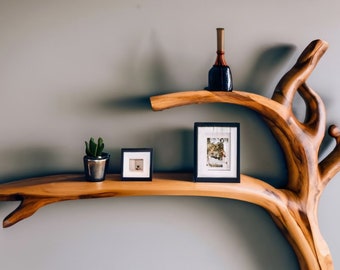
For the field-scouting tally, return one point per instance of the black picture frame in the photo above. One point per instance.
(137, 164)
(217, 152)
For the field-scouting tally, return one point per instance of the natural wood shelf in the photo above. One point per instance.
(35, 193)
(293, 208)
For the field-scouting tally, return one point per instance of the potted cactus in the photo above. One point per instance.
(95, 161)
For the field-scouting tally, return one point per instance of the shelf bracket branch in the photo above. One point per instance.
(26, 208)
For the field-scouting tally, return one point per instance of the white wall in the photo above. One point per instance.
(74, 69)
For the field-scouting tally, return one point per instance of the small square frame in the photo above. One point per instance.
(217, 152)
(136, 164)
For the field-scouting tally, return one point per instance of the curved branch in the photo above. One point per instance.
(330, 166)
(27, 208)
(315, 118)
(253, 101)
(294, 78)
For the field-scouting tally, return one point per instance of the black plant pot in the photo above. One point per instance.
(96, 167)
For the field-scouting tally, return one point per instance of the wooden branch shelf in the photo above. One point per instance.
(293, 208)
(35, 193)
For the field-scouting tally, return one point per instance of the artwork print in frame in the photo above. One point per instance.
(136, 164)
(217, 152)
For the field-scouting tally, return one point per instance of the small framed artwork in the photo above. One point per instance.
(136, 164)
(217, 152)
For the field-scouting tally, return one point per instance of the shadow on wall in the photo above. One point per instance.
(174, 150)
(151, 72)
(260, 75)
(247, 219)
(30, 162)
(266, 67)
(141, 103)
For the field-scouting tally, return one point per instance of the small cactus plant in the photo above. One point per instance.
(94, 149)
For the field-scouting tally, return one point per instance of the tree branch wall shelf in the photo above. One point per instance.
(293, 209)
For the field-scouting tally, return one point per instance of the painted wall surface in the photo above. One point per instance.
(70, 70)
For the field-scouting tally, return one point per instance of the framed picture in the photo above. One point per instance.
(217, 152)
(136, 164)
